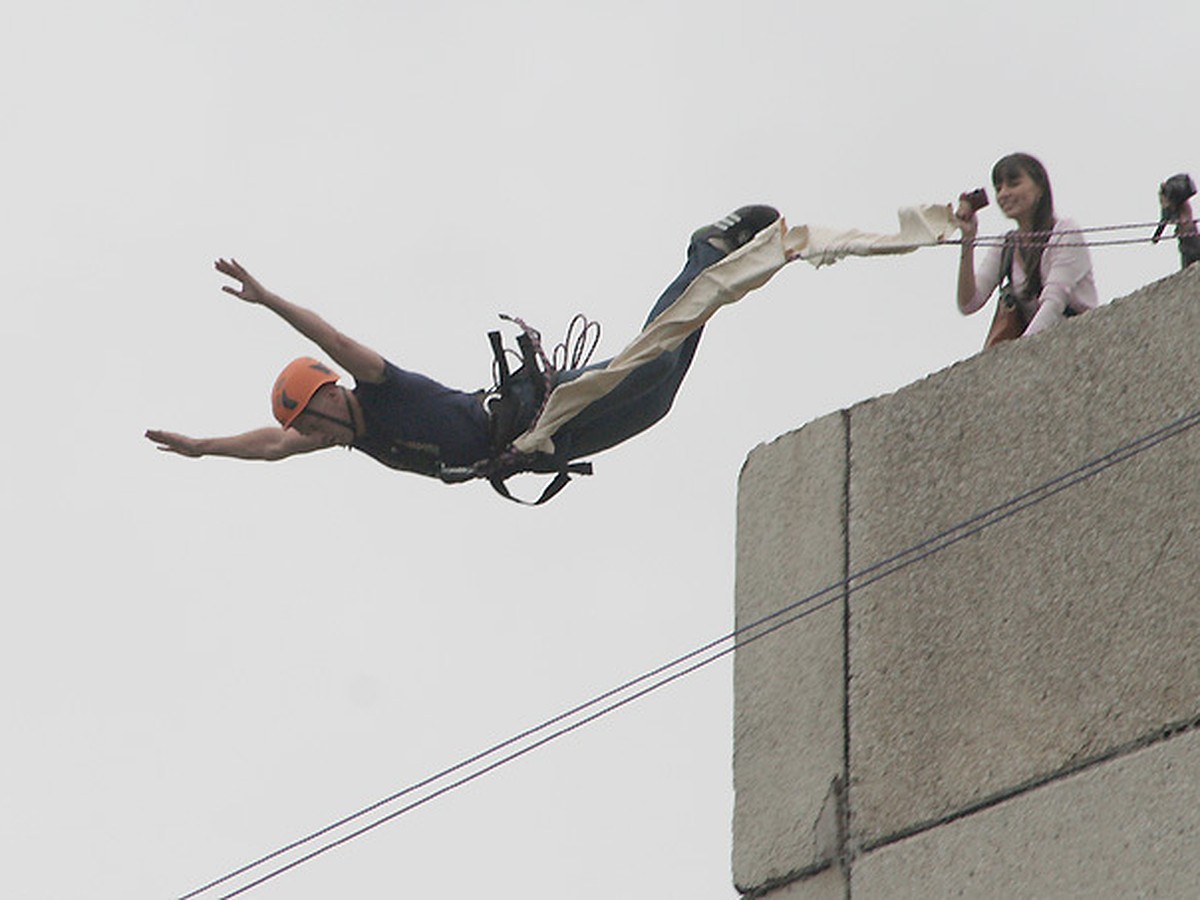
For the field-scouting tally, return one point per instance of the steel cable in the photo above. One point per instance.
(740, 637)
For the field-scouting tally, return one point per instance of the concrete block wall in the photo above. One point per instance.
(1017, 713)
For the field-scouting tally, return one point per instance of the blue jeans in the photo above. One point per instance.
(646, 394)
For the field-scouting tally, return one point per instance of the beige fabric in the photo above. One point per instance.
(920, 226)
(727, 281)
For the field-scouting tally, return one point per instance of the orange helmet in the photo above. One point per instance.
(295, 386)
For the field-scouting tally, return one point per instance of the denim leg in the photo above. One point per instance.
(646, 394)
(700, 255)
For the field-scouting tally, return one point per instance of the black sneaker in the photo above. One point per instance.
(737, 228)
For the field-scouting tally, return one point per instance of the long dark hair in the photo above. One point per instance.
(1031, 248)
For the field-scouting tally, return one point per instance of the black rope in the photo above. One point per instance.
(736, 639)
(1087, 229)
(997, 240)
(578, 345)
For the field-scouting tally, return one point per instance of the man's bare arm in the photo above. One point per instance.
(263, 443)
(363, 363)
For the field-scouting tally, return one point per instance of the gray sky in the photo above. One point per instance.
(204, 660)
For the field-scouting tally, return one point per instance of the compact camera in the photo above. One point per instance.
(978, 198)
(1178, 188)
(1175, 191)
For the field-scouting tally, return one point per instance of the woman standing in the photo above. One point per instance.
(1043, 269)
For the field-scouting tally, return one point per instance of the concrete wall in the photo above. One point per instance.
(1016, 713)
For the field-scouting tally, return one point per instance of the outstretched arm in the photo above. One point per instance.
(263, 443)
(966, 291)
(1065, 265)
(363, 363)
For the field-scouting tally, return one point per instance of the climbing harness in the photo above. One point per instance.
(516, 403)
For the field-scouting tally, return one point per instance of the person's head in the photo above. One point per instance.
(1023, 191)
(306, 397)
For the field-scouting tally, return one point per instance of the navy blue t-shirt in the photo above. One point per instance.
(414, 423)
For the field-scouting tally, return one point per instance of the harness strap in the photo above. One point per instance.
(1007, 295)
(500, 356)
(507, 410)
(560, 481)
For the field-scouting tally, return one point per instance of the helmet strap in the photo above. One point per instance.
(347, 422)
(340, 421)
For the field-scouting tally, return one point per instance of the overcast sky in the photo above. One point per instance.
(203, 660)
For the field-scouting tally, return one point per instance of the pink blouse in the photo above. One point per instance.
(1067, 280)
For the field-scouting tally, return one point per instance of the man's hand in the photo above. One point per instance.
(361, 362)
(250, 291)
(175, 443)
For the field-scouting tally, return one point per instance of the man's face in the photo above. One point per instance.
(327, 415)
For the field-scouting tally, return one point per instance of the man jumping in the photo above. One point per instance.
(408, 421)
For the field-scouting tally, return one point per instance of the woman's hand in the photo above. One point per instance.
(968, 224)
(250, 291)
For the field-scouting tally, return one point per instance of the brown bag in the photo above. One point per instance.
(1009, 322)
(1007, 325)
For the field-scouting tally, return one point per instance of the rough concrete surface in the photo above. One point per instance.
(1126, 828)
(828, 884)
(1066, 630)
(1065, 634)
(788, 685)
